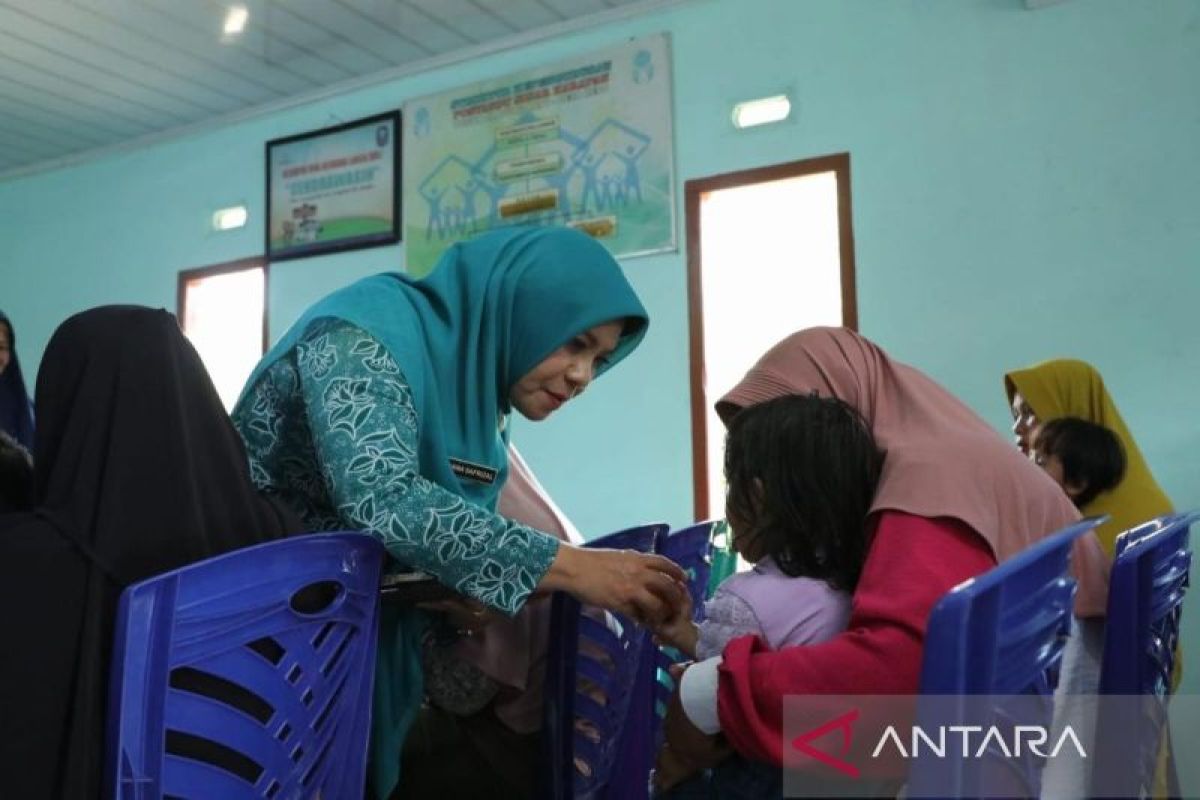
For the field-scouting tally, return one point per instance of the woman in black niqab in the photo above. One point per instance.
(16, 412)
(138, 470)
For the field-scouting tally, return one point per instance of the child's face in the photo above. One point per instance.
(744, 544)
(1054, 468)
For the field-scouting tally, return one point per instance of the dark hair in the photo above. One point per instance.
(16, 475)
(816, 466)
(1092, 456)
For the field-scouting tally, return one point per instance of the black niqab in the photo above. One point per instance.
(16, 413)
(138, 470)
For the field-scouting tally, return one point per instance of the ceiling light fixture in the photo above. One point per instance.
(235, 20)
(761, 111)
(226, 219)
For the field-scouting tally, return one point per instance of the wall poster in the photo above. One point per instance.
(585, 142)
(333, 189)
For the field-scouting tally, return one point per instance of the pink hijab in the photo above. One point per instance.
(512, 652)
(942, 459)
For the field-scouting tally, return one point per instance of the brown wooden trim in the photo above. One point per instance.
(838, 162)
(693, 192)
(846, 244)
(242, 264)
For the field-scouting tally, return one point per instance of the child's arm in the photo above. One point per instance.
(727, 616)
(669, 770)
(679, 631)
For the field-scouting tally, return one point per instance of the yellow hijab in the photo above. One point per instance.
(1066, 387)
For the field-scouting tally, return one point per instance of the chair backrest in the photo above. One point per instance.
(248, 675)
(723, 558)
(690, 548)
(592, 675)
(1141, 634)
(1001, 633)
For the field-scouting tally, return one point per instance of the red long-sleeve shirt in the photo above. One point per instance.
(912, 562)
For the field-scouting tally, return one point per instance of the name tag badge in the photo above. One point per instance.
(473, 472)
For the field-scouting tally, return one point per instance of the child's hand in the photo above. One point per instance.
(679, 631)
(669, 770)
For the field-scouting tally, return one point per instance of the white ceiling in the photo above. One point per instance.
(78, 77)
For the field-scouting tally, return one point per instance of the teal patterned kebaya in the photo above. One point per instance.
(350, 462)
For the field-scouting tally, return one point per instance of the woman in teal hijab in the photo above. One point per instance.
(384, 408)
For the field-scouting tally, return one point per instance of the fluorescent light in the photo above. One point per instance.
(225, 219)
(235, 20)
(761, 111)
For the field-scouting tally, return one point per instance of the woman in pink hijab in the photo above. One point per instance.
(954, 499)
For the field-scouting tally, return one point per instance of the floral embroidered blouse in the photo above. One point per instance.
(332, 430)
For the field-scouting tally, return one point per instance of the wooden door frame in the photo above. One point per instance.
(693, 190)
(242, 264)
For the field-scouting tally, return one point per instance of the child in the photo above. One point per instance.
(801, 473)
(1084, 458)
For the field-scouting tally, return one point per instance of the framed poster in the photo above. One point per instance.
(585, 142)
(334, 189)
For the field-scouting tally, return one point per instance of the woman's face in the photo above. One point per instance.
(564, 373)
(5, 347)
(1025, 423)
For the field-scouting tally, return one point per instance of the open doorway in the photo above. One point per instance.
(223, 311)
(770, 251)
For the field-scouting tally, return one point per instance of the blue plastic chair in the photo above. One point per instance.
(247, 675)
(723, 559)
(1145, 602)
(690, 548)
(592, 674)
(1001, 633)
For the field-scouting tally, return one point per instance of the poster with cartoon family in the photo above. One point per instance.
(584, 142)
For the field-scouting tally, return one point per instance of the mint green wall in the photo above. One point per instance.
(1026, 185)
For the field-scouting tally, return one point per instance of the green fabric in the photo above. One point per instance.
(491, 310)
(723, 559)
(1069, 388)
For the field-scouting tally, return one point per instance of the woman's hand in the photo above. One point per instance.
(644, 587)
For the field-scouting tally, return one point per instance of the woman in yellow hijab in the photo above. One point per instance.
(1065, 387)
(1068, 388)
